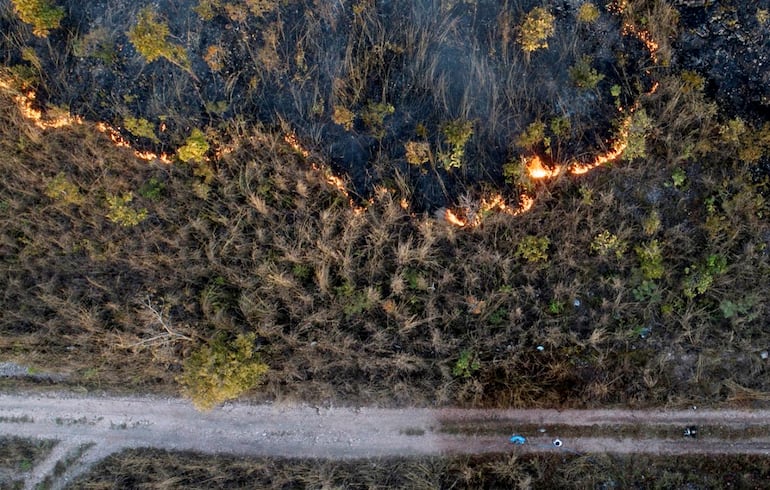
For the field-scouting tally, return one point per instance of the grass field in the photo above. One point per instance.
(248, 261)
(137, 468)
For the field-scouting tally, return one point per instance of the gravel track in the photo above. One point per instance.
(115, 423)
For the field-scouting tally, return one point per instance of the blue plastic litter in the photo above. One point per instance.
(518, 440)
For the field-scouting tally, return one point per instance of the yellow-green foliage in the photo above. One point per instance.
(637, 136)
(195, 147)
(535, 29)
(588, 13)
(533, 135)
(141, 128)
(43, 15)
(61, 189)
(343, 116)
(762, 16)
(149, 37)
(651, 260)
(222, 370)
(533, 248)
(121, 213)
(651, 223)
(606, 243)
(692, 82)
(374, 117)
(583, 75)
(754, 143)
(700, 277)
(457, 134)
(236, 10)
(417, 152)
(561, 126)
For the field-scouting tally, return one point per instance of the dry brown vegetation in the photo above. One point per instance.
(379, 306)
(643, 283)
(146, 468)
(18, 456)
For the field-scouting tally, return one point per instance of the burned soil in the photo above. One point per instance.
(357, 83)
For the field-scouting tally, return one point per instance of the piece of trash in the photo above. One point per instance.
(517, 439)
(540, 348)
(541, 429)
(764, 355)
(557, 443)
(691, 431)
(645, 332)
(576, 303)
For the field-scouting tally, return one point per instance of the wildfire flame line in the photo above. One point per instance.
(54, 119)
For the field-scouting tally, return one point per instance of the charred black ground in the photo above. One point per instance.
(427, 63)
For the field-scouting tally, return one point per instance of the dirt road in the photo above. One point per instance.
(91, 428)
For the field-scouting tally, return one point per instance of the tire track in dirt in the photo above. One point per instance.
(112, 424)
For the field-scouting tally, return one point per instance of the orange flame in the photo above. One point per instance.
(537, 170)
(52, 119)
(613, 154)
(491, 203)
(453, 219)
(119, 141)
(645, 37)
(293, 141)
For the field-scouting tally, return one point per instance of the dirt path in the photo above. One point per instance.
(92, 428)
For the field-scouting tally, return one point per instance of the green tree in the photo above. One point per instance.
(150, 38)
(221, 371)
(535, 30)
(457, 134)
(195, 148)
(43, 15)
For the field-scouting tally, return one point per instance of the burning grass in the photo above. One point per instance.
(377, 304)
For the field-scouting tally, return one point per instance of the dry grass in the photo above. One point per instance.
(158, 469)
(378, 305)
(18, 456)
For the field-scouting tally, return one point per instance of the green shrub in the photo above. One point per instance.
(343, 116)
(533, 249)
(637, 136)
(678, 177)
(561, 126)
(606, 243)
(141, 128)
(457, 134)
(647, 291)
(374, 117)
(466, 365)
(195, 148)
(150, 38)
(535, 29)
(583, 75)
(417, 152)
(740, 308)
(221, 371)
(61, 189)
(555, 307)
(651, 258)
(152, 189)
(651, 223)
(588, 13)
(121, 213)
(43, 15)
(96, 44)
(532, 136)
(700, 277)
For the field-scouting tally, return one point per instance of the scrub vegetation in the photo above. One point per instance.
(273, 231)
(137, 468)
